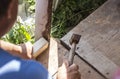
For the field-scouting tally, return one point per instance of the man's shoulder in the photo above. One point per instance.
(12, 67)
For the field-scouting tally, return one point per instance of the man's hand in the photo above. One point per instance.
(68, 72)
(26, 50)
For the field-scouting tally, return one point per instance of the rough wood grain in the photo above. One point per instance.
(53, 56)
(43, 19)
(100, 43)
(41, 16)
(87, 72)
(100, 62)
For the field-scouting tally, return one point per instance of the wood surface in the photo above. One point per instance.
(86, 71)
(43, 19)
(39, 46)
(100, 41)
(53, 56)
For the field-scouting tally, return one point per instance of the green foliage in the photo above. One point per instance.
(70, 12)
(31, 8)
(20, 33)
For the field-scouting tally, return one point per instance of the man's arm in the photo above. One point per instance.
(13, 49)
(23, 50)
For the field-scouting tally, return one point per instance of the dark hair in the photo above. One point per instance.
(4, 4)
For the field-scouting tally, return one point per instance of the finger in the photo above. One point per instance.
(73, 67)
(75, 75)
(29, 56)
(66, 63)
(78, 75)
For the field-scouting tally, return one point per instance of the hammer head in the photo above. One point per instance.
(75, 38)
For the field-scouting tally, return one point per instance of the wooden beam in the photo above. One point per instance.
(53, 56)
(43, 19)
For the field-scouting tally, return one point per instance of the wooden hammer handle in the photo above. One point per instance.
(72, 53)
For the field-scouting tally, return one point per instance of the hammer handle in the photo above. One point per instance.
(72, 53)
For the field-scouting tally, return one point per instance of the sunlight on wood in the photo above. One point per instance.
(41, 17)
(39, 46)
(53, 57)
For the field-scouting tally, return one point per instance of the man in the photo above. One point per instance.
(13, 67)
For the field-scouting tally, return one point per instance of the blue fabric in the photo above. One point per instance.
(12, 67)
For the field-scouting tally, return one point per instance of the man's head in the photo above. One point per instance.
(8, 14)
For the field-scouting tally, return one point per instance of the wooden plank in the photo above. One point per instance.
(100, 62)
(50, 57)
(39, 46)
(43, 19)
(86, 71)
(100, 43)
(53, 56)
(40, 17)
(44, 58)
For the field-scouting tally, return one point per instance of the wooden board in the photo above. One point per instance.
(87, 72)
(41, 18)
(100, 43)
(43, 13)
(53, 57)
(39, 46)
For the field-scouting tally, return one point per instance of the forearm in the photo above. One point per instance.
(11, 48)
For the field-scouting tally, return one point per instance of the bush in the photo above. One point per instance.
(70, 12)
(20, 33)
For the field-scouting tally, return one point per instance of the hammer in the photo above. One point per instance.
(73, 41)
